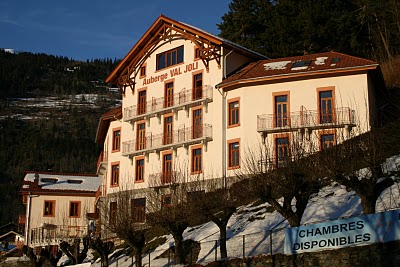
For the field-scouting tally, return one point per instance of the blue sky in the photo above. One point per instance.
(95, 29)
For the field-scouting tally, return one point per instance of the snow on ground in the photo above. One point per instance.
(254, 223)
(67, 101)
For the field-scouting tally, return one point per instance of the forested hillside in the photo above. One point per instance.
(53, 130)
(279, 28)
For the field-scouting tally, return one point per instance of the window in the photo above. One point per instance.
(233, 113)
(138, 206)
(167, 169)
(197, 125)
(113, 213)
(282, 151)
(170, 58)
(168, 132)
(114, 174)
(197, 86)
(116, 140)
(234, 155)
(49, 207)
(141, 102)
(141, 136)
(166, 200)
(143, 71)
(197, 54)
(74, 209)
(281, 111)
(139, 170)
(327, 141)
(196, 160)
(326, 114)
(169, 95)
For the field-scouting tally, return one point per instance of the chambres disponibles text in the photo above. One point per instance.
(172, 73)
(330, 241)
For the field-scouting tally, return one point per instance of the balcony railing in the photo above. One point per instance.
(53, 234)
(293, 121)
(163, 178)
(102, 161)
(155, 143)
(162, 105)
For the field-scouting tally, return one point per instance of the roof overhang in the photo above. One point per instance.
(165, 30)
(307, 74)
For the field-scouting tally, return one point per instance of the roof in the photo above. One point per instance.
(298, 66)
(157, 26)
(115, 113)
(50, 183)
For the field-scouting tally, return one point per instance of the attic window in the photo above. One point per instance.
(49, 180)
(302, 63)
(335, 60)
(74, 181)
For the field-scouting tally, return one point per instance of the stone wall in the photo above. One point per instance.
(377, 255)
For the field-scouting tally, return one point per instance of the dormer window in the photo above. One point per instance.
(49, 180)
(74, 181)
(170, 58)
(302, 63)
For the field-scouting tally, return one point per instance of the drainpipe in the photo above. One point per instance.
(28, 215)
(223, 94)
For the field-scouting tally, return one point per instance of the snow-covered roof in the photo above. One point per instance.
(49, 182)
(299, 66)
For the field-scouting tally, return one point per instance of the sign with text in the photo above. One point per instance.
(363, 230)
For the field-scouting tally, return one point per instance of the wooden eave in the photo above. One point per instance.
(165, 29)
(308, 74)
(104, 124)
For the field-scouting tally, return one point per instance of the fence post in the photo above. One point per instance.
(216, 249)
(117, 262)
(149, 258)
(169, 249)
(270, 241)
(244, 246)
(132, 260)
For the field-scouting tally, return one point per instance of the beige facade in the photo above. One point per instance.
(199, 112)
(57, 206)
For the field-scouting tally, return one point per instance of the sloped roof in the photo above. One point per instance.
(50, 183)
(104, 123)
(153, 31)
(298, 66)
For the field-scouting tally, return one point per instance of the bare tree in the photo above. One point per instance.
(358, 164)
(45, 254)
(103, 248)
(73, 252)
(217, 204)
(120, 216)
(286, 181)
(169, 207)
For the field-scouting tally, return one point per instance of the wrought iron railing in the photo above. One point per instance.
(175, 138)
(338, 117)
(156, 105)
(54, 234)
(163, 178)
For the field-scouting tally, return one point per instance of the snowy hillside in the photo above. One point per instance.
(254, 222)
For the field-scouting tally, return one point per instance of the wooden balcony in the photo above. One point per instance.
(158, 106)
(51, 234)
(311, 120)
(182, 137)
